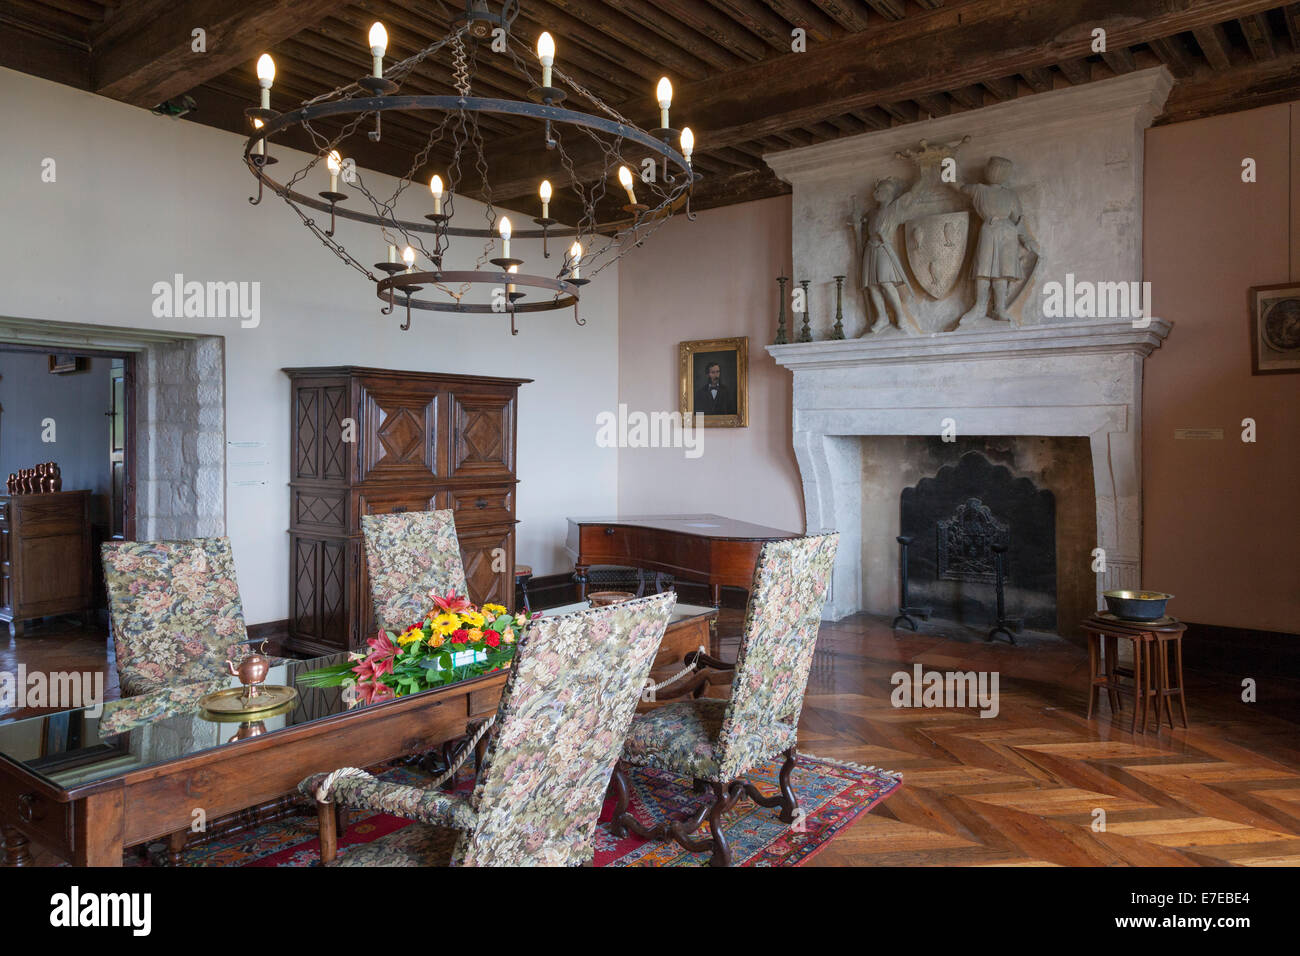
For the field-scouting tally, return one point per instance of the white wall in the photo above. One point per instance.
(139, 198)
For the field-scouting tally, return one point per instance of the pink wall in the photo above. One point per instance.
(1221, 529)
(712, 278)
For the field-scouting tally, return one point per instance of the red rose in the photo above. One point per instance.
(492, 638)
(459, 636)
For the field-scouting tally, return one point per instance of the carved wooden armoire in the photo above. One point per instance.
(372, 441)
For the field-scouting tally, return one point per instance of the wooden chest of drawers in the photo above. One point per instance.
(373, 441)
(44, 556)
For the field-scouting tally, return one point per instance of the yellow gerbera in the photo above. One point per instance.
(472, 618)
(410, 635)
(493, 609)
(445, 623)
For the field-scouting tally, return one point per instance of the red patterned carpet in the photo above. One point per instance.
(832, 794)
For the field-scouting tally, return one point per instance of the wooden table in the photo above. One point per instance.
(90, 802)
(708, 548)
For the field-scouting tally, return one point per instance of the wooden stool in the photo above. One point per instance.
(1150, 664)
(524, 574)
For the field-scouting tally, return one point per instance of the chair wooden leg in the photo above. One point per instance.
(699, 786)
(618, 783)
(329, 834)
(721, 849)
(788, 801)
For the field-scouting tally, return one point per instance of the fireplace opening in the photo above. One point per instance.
(956, 500)
(956, 519)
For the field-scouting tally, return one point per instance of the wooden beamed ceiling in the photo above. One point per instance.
(869, 64)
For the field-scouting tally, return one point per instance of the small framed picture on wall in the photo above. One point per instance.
(1274, 329)
(714, 377)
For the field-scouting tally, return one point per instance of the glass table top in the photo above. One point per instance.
(73, 748)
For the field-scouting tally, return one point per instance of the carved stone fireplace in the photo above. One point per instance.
(940, 370)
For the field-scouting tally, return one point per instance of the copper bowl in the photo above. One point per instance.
(606, 598)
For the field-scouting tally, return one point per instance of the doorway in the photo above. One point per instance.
(66, 438)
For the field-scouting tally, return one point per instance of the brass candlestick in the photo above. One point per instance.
(805, 333)
(781, 338)
(838, 331)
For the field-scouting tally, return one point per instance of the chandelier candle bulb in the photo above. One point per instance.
(546, 198)
(688, 143)
(392, 252)
(546, 53)
(378, 44)
(504, 229)
(261, 143)
(334, 163)
(408, 256)
(265, 77)
(575, 256)
(625, 178)
(664, 93)
(435, 187)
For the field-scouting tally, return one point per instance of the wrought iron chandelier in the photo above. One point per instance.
(413, 276)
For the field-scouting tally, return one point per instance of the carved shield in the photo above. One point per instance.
(936, 248)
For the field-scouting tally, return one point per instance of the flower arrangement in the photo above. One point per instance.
(453, 641)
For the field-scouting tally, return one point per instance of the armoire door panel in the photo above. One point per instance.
(399, 433)
(483, 429)
(489, 560)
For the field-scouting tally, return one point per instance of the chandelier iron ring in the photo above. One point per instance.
(274, 123)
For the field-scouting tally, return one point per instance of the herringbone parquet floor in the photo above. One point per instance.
(1027, 787)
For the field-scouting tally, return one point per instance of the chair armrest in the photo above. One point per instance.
(364, 792)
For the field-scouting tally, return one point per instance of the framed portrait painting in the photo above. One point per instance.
(1274, 329)
(715, 381)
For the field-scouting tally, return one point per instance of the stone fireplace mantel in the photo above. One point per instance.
(940, 364)
(1071, 379)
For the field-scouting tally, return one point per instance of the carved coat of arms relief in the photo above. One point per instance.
(940, 254)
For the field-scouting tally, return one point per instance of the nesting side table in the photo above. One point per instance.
(1150, 672)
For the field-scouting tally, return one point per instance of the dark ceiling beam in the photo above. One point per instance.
(889, 9)
(1002, 87)
(846, 13)
(1039, 79)
(39, 54)
(1214, 43)
(928, 53)
(1120, 60)
(1291, 14)
(1258, 36)
(151, 60)
(1077, 71)
(1174, 54)
(811, 16)
(718, 27)
(598, 23)
(759, 20)
(1252, 85)
(703, 48)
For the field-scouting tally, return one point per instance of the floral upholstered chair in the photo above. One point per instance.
(408, 555)
(175, 610)
(717, 742)
(558, 731)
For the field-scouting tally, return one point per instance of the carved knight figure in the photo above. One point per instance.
(996, 263)
(882, 273)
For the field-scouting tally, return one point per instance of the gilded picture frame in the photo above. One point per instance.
(714, 380)
(1275, 329)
